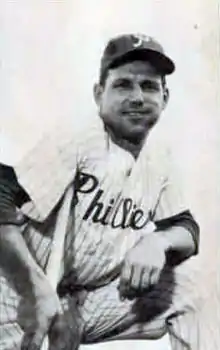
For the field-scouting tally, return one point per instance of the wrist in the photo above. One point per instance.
(164, 240)
(178, 244)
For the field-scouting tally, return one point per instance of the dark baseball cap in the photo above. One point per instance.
(130, 47)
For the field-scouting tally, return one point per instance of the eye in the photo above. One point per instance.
(123, 84)
(149, 85)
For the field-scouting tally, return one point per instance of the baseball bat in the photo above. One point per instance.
(57, 249)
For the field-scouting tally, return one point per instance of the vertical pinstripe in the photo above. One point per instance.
(92, 250)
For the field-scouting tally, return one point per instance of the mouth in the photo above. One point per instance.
(135, 115)
(141, 118)
(138, 112)
(138, 116)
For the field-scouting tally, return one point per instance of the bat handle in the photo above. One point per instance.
(56, 255)
(45, 344)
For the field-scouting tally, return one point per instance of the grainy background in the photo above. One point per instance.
(49, 53)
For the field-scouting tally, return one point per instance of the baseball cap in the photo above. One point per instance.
(129, 47)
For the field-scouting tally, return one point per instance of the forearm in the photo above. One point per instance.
(40, 309)
(15, 258)
(178, 243)
(17, 261)
(181, 235)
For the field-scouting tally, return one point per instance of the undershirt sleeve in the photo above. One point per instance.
(184, 219)
(12, 197)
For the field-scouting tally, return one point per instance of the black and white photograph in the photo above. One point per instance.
(109, 175)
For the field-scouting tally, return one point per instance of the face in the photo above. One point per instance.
(132, 99)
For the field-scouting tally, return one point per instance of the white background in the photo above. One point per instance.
(49, 58)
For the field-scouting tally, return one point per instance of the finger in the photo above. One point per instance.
(154, 276)
(125, 279)
(136, 278)
(130, 294)
(126, 289)
(140, 283)
(122, 289)
(149, 277)
(146, 278)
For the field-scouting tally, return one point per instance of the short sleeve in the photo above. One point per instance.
(171, 207)
(171, 200)
(50, 166)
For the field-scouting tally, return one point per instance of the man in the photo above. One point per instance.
(128, 228)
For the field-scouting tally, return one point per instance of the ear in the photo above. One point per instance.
(166, 97)
(97, 93)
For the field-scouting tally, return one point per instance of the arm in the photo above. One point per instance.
(181, 236)
(174, 221)
(170, 244)
(176, 237)
(18, 264)
(15, 257)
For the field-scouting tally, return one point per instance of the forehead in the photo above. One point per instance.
(135, 70)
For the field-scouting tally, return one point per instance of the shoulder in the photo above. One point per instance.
(50, 165)
(74, 135)
(83, 135)
(77, 142)
(9, 186)
(10, 150)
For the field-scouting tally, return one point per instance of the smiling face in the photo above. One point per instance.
(131, 100)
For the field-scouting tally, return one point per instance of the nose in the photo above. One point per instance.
(137, 98)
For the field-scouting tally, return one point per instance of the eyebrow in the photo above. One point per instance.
(127, 78)
(150, 82)
(119, 79)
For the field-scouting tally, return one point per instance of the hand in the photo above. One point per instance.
(142, 266)
(39, 311)
(65, 333)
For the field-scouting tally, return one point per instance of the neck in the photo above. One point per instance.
(133, 148)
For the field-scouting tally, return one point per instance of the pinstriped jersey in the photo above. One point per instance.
(116, 199)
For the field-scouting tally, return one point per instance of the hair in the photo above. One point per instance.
(103, 77)
(164, 81)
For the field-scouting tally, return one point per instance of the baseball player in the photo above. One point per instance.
(128, 230)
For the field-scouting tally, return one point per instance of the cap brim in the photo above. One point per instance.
(160, 61)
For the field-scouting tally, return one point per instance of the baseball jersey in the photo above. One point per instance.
(117, 199)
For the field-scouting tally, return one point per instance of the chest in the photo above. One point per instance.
(109, 194)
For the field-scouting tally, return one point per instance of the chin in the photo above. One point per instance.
(135, 138)
(138, 130)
